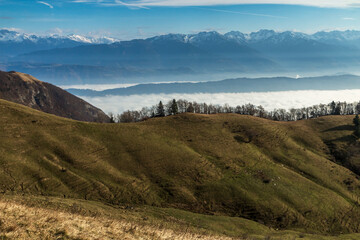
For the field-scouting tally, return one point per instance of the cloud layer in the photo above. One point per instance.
(269, 100)
(98, 87)
(185, 3)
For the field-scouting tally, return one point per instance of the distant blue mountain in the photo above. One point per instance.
(202, 53)
(238, 85)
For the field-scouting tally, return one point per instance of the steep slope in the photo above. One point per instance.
(279, 174)
(27, 90)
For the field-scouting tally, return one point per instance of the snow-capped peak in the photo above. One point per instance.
(13, 36)
(261, 35)
(237, 36)
(78, 38)
(92, 40)
(170, 37)
(348, 35)
(8, 35)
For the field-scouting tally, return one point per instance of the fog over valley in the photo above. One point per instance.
(269, 100)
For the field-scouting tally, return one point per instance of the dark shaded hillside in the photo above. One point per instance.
(27, 90)
(281, 174)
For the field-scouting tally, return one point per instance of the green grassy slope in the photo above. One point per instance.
(279, 174)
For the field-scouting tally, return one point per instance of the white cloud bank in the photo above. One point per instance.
(102, 87)
(186, 3)
(99, 87)
(269, 100)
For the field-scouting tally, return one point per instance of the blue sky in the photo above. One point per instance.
(144, 18)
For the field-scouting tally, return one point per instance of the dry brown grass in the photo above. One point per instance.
(227, 168)
(19, 221)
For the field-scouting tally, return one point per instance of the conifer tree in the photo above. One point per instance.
(332, 107)
(337, 110)
(356, 122)
(190, 108)
(174, 107)
(160, 112)
(112, 118)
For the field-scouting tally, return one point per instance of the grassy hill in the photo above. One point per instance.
(282, 175)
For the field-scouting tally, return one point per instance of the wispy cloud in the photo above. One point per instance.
(349, 19)
(241, 13)
(99, 87)
(110, 3)
(187, 3)
(46, 4)
(130, 5)
(48, 20)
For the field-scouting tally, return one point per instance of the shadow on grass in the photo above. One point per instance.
(347, 139)
(341, 128)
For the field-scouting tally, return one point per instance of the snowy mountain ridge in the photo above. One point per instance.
(253, 37)
(263, 35)
(14, 36)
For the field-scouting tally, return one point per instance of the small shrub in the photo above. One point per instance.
(60, 233)
(10, 228)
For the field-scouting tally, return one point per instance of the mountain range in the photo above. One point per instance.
(203, 53)
(13, 43)
(348, 37)
(238, 85)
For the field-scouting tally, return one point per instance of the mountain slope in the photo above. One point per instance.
(276, 173)
(27, 90)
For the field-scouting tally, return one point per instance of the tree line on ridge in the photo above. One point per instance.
(181, 106)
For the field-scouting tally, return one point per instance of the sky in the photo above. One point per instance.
(131, 19)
